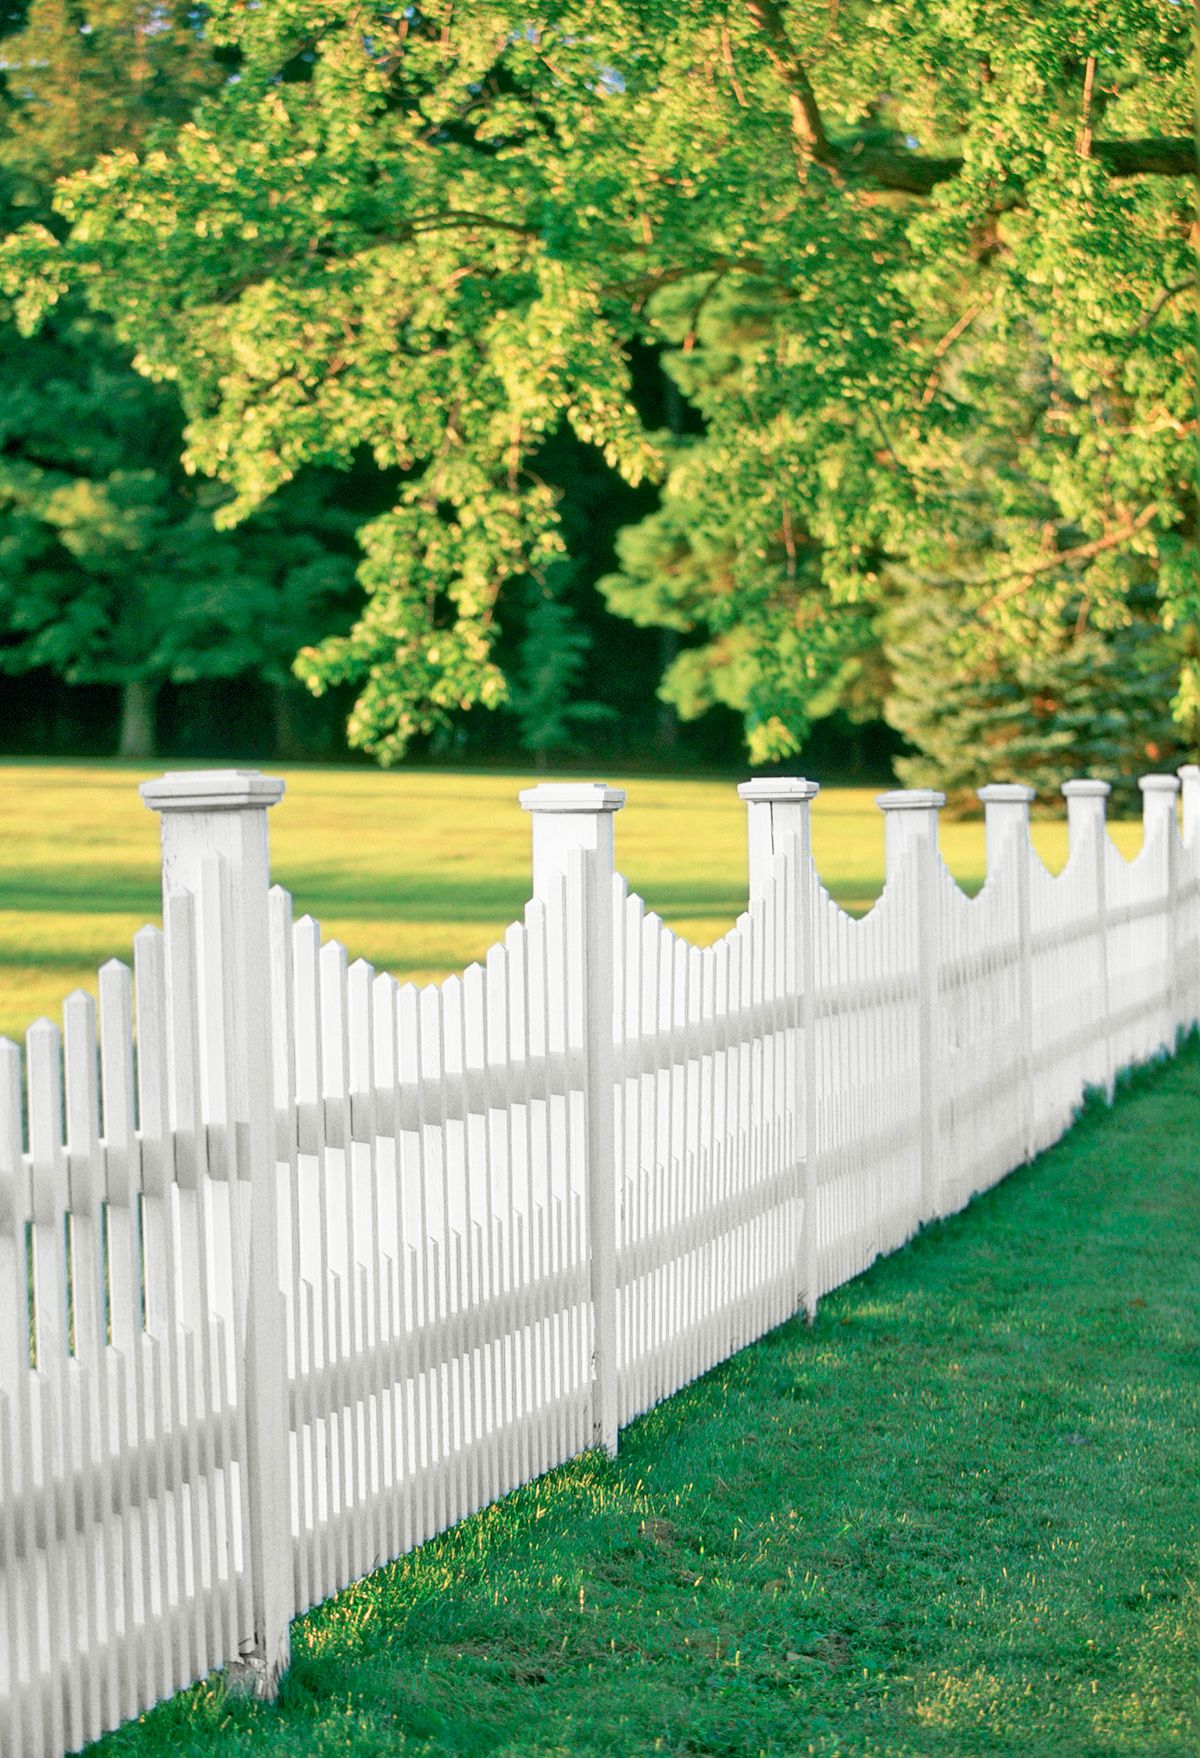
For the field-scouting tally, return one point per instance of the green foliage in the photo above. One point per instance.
(855, 236)
(113, 565)
(84, 76)
(1073, 700)
(546, 693)
(733, 550)
(1048, 668)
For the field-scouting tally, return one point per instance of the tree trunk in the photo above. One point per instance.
(138, 699)
(288, 742)
(668, 721)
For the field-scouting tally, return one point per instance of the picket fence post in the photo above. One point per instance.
(1006, 814)
(1189, 782)
(911, 824)
(223, 813)
(778, 807)
(568, 816)
(1159, 794)
(1087, 799)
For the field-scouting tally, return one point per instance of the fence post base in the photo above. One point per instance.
(251, 1677)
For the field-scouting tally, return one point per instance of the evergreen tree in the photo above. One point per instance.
(546, 690)
(1061, 663)
(113, 568)
(1075, 700)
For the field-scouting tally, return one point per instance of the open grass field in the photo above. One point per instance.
(955, 1519)
(417, 870)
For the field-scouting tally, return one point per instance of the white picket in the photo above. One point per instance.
(516, 1208)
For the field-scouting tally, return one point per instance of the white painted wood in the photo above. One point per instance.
(1188, 899)
(1160, 825)
(297, 1259)
(571, 819)
(220, 816)
(778, 823)
(1086, 800)
(912, 858)
(1006, 821)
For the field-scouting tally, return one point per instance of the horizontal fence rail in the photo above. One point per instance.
(299, 1265)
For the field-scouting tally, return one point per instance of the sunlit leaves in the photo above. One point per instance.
(433, 235)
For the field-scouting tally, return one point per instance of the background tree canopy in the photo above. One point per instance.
(921, 279)
(112, 570)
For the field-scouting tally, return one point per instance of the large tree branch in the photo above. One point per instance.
(885, 167)
(1139, 158)
(918, 174)
(807, 124)
(1020, 578)
(1164, 298)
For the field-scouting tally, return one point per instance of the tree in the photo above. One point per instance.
(546, 692)
(773, 646)
(1061, 667)
(438, 234)
(1071, 700)
(112, 567)
(83, 76)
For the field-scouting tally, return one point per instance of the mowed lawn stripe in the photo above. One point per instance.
(958, 1516)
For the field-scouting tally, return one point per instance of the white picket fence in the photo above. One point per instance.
(300, 1265)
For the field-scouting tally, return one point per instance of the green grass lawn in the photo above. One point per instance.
(417, 870)
(956, 1517)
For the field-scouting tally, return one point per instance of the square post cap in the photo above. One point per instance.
(1086, 787)
(572, 796)
(1159, 793)
(1087, 802)
(777, 789)
(911, 799)
(910, 820)
(212, 790)
(1005, 809)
